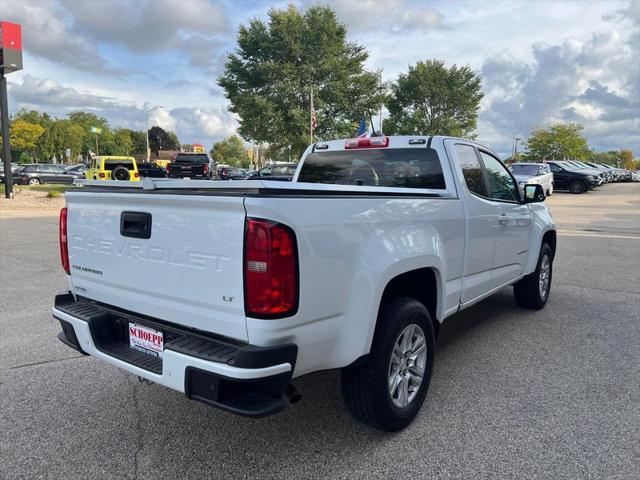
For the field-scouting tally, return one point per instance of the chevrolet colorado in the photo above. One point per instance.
(226, 291)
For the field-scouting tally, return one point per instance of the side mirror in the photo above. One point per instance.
(533, 193)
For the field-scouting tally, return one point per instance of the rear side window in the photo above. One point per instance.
(111, 164)
(471, 169)
(397, 167)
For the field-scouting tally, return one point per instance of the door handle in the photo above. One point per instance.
(503, 220)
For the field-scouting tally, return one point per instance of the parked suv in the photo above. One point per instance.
(568, 177)
(282, 172)
(123, 169)
(192, 165)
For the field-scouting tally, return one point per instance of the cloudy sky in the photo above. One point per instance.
(541, 61)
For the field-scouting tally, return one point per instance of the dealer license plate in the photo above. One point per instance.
(146, 339)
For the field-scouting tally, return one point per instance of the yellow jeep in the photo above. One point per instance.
(111, 167)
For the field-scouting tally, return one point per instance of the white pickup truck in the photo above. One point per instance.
(226, 291)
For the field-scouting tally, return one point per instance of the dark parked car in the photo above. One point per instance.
(282, 172)
(191, 165)
(227, 172)
(14, 169)
(151, 170)
(38, 173)
(567, 177)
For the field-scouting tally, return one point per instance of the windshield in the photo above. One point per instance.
(111, 164)
(529, 170)
(398, 167)
(192, 158)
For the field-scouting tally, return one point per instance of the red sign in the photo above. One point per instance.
(10, 35)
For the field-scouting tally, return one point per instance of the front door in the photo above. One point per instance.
(513, 222)
(560, 177)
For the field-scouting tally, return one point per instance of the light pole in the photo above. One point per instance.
(515, 149)
(146, 123)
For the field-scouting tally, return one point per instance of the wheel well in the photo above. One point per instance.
(419, 284)
(550, 239)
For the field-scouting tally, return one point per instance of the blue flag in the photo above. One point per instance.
(362, 128)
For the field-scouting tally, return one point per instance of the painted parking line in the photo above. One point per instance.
(572, 233)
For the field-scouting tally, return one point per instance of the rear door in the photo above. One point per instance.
(513, 223)
(481, 221)
(188, 271)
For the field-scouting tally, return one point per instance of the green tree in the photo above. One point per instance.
(23, 136)
(139, 142)
(123, 141)
(63, 134)
(626, 159)
(87, 120)
(558, 142)
(277, 64)
(431, 99)
(159, 139)
(230, 151)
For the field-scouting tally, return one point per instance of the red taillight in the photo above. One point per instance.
(102, 175)
(168, 168)
(369, 142)
(136, 175)
(205, 169)
(64, 247)
(270, 269)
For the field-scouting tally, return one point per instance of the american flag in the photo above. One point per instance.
(314, 120)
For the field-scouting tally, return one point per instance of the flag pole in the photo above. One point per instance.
(311, 117)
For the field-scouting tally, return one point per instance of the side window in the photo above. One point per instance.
(265, 172)
(471, 169)
(554, 167)
(502, 186)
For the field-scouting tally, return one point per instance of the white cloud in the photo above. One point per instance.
(45, 31)
(587, 82)
(38, 92)
(394, 16)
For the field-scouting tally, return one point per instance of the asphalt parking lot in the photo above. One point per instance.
(514, 394)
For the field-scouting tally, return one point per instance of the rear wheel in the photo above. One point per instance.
(34, 181)
(387, 391)
(577, 186)
(533, 290)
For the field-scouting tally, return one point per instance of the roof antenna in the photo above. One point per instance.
(373, 129)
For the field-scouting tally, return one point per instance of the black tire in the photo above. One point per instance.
(577, 186)
(528, 291)
(120, 173)
(365, 387)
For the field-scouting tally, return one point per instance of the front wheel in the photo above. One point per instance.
(34, 181)
(577, 186)
(387, 391)
(533, 290)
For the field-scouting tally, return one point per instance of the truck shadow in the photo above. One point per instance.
(313, 432)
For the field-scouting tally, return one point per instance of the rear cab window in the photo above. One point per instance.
(192, 158)
(394, 167)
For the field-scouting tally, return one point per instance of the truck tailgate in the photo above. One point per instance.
(189, 270)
